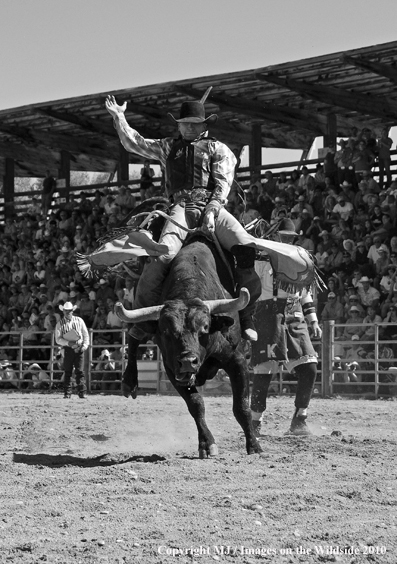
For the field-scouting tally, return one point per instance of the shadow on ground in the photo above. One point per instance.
(60, 460)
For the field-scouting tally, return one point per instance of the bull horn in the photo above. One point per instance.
(151, 313)
(229, 305)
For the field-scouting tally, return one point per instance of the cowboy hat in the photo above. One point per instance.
(67, 306)
(193, 112)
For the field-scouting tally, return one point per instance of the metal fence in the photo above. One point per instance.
(365, 367)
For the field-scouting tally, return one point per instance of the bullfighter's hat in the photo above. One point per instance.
(287, 227)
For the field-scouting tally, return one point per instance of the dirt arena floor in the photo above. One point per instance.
(112, 480)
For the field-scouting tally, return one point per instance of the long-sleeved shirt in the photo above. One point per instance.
(204, 162)
(65, 325)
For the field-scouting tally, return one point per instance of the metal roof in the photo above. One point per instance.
(290, 101)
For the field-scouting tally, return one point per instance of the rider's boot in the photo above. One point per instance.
(246, 277)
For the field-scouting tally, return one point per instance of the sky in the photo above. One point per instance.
(55, 49)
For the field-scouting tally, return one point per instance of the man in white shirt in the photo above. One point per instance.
(343, 208)
(373, 252)
(71, 333)
(369, 295)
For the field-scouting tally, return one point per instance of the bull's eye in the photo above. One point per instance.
(204, 330)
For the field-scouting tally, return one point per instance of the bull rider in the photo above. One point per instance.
(199, 172)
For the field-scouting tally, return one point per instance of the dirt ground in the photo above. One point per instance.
(113, 480)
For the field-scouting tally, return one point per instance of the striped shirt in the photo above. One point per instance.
(212, 162)
(75, 323)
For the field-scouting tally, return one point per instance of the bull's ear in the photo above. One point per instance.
(220, 323)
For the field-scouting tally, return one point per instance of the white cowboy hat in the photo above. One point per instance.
(67, 306)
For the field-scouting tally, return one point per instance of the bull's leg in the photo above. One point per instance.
(129, 384)
(196, 407)
(236, 369)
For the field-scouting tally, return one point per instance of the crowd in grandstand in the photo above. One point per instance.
(344, 216)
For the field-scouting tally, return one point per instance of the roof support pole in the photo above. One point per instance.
(255, 156)
(9, 187)
(64, 174)
(122, 170)
(330, 136)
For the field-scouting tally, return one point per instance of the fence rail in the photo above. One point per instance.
(346, 367)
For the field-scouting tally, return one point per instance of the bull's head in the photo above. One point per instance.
(184, 329)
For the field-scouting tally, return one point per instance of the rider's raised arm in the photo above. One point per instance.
(132, 141)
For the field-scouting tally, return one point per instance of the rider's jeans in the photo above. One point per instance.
(227, 229)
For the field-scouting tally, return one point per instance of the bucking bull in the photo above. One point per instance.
(198, 332)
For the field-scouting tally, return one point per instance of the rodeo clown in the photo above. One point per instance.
(282, 318)
(199, 172)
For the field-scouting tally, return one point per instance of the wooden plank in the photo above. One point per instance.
(380, 69)
(379, 107)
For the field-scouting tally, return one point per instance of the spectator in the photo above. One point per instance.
(87, 309)
(124, 199)
(49, 185)
(369, 296)
(348, 266)
(321, 256)
(105, 291)
(112, 320)
(64, 223)
(305, 242)
(319, 176)
(85, 204)
(279, 205)
(353, 324)
(109, 206)
(335, 258)
(282, 182)
(343, 161)
(34, 208)
(249, 213)
(326, 239)
(343, 209)
(384, 158)
(147, 175)
(362, 160)
(302, 205)
(269, 185)
(381, 264)
(369, 322)
(306, 181)
(332, 309)
(354, 300)
(315, 230)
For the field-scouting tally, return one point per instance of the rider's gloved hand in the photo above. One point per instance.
(210, 215)
(209, 222)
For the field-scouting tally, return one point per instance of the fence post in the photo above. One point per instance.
(376, 360)
(327, 356)
(90, 333)
(52, 361)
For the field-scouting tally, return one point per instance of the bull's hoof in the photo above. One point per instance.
(211, 451)
(254, 448)
(299, 428)
(128, 391)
